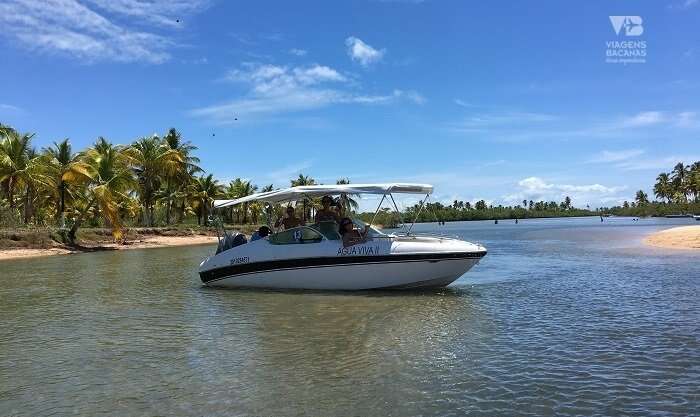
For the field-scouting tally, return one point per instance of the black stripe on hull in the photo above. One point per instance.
(285, 264)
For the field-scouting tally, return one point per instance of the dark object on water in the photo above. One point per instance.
(231, 240)
(495, 221)
(516, 221)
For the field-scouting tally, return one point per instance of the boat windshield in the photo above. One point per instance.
(372, 230)
(329, 229)
(301, 234)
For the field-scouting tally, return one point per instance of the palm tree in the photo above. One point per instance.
(105, 172)
(679, 181)
(15, 161)
(348, 203)
(255, 209)
(177, 183)
(152, 161)
(204, 190)
(662, 188)
(304, 180)
(60, 158)
(694, 180)
(239, 188)
(641, 198)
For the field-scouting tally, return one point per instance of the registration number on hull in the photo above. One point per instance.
(240, 260)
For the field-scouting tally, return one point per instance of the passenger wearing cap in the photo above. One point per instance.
(352, 236)
(326, 213)
(290, 221)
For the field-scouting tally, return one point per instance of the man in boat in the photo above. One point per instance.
(261, 233)
(327, 213)
(290, 221)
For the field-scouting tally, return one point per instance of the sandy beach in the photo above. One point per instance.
(684, 237)
(146, 242)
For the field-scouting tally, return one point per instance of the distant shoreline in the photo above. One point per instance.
(683, 237)
(146, 242)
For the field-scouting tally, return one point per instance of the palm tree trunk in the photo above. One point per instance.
(167, 212)
(10, 195)
(79, 221)
(27, 209)
(181, 215)
(61, 214)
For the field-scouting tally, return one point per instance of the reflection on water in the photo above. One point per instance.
(563, 317)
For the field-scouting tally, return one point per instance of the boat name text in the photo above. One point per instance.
(359, 250)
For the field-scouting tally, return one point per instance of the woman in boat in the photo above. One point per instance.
(350, 235)
(327, 213)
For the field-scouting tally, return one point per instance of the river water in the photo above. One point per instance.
(562, 317)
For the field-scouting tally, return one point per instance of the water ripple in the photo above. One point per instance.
(548, 324)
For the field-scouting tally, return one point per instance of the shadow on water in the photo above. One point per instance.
(451, 291)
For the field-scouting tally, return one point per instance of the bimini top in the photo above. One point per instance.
(295, 193)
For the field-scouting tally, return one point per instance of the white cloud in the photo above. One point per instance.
(275, 89)
(298, 52)
(537, 189)
(462, 103)
(657, 164)
(362, 52)
(642, 119)
(396, 94)
(509, 126)
(687, 119)
(167, 13)
(483, 122)
(683, 119)
(10, 108)
(684, 4)
(280, 177)
(616, 156)
(95, 29)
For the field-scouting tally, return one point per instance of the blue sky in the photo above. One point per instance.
(495, 100)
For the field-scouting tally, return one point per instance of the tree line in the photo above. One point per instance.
(154, 181)
(677, 190)
(157, 181)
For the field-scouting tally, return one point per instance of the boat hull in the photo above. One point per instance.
(360, 273)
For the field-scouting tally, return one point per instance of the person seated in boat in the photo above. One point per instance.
(352, 236)
(290, 221)
(327, 212)
(261, 233)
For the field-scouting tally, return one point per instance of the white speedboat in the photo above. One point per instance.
(314, 257)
